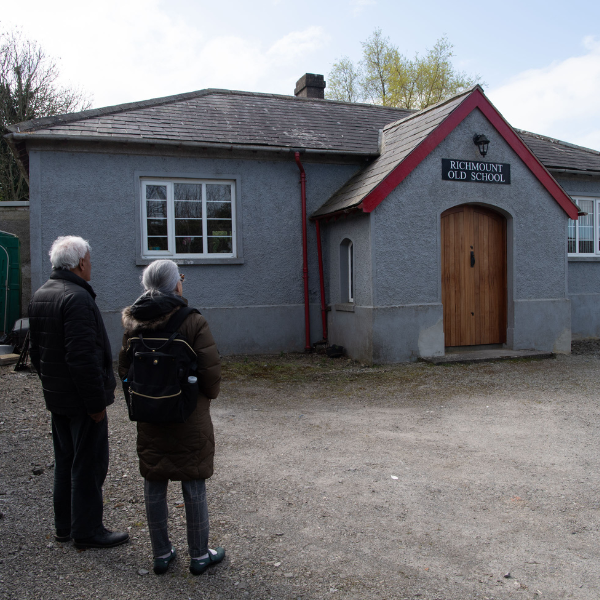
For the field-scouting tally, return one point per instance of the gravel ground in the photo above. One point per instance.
(334, 480)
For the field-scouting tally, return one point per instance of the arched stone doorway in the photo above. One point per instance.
(474, 293)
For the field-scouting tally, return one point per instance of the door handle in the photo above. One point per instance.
(472, 258)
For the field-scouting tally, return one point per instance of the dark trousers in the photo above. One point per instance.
(80, 468)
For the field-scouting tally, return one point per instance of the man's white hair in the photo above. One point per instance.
(67, 250)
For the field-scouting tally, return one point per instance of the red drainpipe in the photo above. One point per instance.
(307, 347)
(321, 280)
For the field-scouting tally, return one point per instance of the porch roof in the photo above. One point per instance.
(407, 142)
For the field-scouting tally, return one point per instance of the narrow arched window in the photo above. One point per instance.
(347, 271)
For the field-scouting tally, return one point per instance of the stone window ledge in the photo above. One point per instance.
(345, 307)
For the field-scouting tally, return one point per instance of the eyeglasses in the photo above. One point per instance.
(181, 276)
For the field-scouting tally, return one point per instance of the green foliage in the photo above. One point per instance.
(384, 76)
(28, 90)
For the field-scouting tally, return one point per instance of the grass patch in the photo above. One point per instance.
(276, 369)
(311, 368)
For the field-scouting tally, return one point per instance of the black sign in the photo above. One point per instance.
(475, 171)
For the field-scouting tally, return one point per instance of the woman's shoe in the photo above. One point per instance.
(199, 565)
(162, 564)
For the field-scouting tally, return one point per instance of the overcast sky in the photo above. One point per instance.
(540, 60)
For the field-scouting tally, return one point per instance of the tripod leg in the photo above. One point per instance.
(22, 362)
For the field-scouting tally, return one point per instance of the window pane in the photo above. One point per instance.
(188, 245)
(218, 192)
(156, 209)
(188, 191)
(157, 227)
(188, 210)
(158, 243)
(188, 227)
(220, 245)
(219, 227)
(572, 242)
(586, 227)
(156, 192)
(218, 210)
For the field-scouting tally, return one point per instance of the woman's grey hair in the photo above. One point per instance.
(161, 276)
(67, 250)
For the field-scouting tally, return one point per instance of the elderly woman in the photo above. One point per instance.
(176, 451)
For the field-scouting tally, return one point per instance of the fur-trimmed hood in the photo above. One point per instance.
(151, 311)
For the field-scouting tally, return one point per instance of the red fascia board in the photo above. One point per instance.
(475, 100)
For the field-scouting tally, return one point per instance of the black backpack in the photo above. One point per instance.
(157, 389)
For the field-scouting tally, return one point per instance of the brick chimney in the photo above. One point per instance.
(310, 86)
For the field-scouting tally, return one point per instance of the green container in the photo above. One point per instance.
(10, 281)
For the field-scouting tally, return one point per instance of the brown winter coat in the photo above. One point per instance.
(179, 451)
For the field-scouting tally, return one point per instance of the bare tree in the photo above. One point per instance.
(28, 90)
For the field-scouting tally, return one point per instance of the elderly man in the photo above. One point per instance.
(70, 350)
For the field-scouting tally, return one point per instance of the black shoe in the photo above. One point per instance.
(104, 539)
(162, 564)
(199, 565)
(63, 535)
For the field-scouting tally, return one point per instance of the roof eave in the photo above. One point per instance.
(17, 142)
(336, 213)
(567, 171)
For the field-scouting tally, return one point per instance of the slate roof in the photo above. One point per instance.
(227, 117)
(557, 155)
(400, 139)
(250, 121)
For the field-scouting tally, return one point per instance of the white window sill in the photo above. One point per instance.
(576, 258)
(192, 261)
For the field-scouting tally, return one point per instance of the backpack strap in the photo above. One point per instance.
(172, 325)
(165, 345)
(179, 317)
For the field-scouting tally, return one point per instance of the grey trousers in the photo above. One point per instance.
(196, 516)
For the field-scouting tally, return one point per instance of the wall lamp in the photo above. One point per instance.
(482, 143)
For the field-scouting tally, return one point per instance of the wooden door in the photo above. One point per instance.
(474, 276)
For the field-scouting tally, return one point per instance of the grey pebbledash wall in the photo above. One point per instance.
(584, 272)
(254, 307)
(350, 325)
(257, 306)
(403, 255)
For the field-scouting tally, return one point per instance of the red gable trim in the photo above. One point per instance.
(475, 100)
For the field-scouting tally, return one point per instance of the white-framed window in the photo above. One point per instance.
(188, 218)
(584, 234)
(347, 271)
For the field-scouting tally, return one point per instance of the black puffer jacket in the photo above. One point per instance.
(69, 346)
